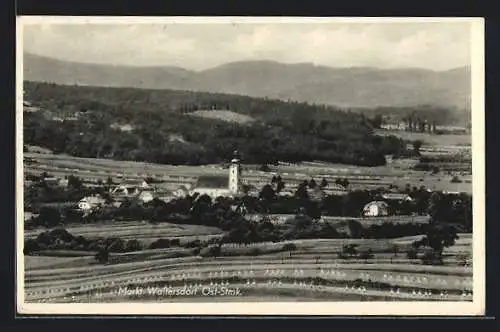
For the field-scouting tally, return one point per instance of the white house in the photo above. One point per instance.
(180, 192)
(376, 209)
(90, 203)
(145, 196)
(285, 193)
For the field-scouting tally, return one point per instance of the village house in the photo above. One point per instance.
(335, 189)
(90, 203)
(376, 209)
(53, 182)
(285, 193)
(133, 190)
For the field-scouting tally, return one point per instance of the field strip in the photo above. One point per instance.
(260, 288)
(145, 274)
(203, 267)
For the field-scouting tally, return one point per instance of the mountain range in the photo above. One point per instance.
(304, 82)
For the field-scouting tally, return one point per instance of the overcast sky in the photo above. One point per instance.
(437, 46)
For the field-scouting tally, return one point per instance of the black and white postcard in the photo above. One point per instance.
(250, 165)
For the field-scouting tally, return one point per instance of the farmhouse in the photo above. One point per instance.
(376, 209)
(136, 190)
(53, 182)
(285, 193)
(130, 188)
(335, 189)
(90, 203)
(216, 186)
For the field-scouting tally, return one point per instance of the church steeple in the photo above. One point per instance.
(234, 173)
(236, 157)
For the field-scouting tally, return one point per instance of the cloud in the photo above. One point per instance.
(199, 46)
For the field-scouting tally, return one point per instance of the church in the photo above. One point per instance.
(216, 186)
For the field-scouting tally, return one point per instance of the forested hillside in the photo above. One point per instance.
(154, 126)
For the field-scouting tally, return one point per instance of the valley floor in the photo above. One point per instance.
(311, 273)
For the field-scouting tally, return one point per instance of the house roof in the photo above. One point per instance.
(212, 181)
(335, 186)
(133, 183)
(396, 196)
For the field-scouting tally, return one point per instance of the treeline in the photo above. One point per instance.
(285, 131)
(227, 213)
(414, 115)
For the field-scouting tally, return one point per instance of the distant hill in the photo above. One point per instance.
(345, 87)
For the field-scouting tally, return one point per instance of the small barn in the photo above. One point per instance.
(376, 209)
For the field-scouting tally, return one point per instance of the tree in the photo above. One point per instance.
(417, 144)
(109, 181)
(312, 184)
(75, 183)
(438, 237)
(435, 209)
(342, 182)
(395, 250)
(349, 249)
(133, 245)
(377, 121)
(280, 185)
(267, 193)
(49, 216)
(368, 254)
(264, 168)
(102, 256)
(301, 192)
(245, 188)
(324, 183)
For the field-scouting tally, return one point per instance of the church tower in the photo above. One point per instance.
(234, 173)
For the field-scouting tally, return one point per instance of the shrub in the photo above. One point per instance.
(160, 244)
(175, 242)
(366, 254)
(430, 258)
(30, 246)
(455, 179)
(411, 254)
(193, 244)
(133, 245)
(255, 252)
(289, 247)
(349, 249)
(264, 168)
(102, 256)
(341, 255)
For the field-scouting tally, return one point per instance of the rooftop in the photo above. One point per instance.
(212, 181)
(380, 204)
(396, 196)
